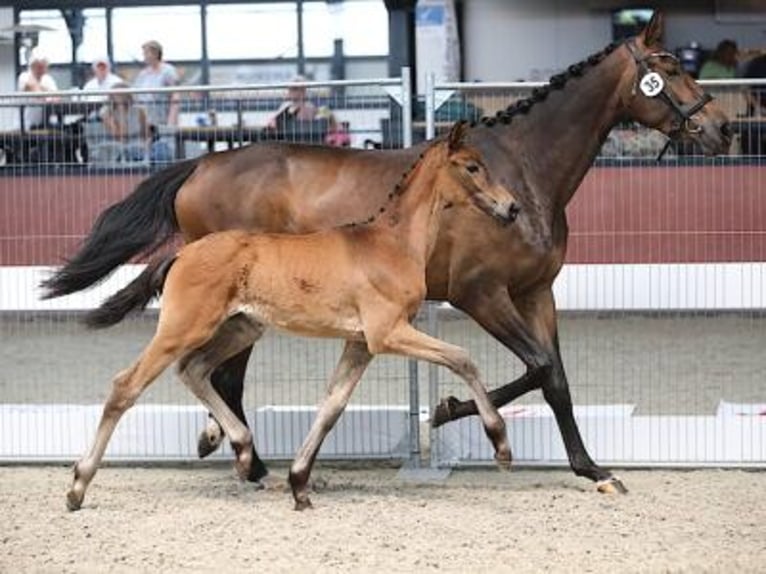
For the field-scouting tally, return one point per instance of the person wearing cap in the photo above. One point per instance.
(36, 79)
(103, 78)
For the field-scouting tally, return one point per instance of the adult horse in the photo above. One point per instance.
(540, 147)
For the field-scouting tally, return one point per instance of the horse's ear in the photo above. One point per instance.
(652, 34)
(456, 135)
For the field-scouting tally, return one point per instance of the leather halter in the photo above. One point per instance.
(684, 113)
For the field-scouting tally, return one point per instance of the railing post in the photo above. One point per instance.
(406, 108)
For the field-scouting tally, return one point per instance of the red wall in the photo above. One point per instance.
(619, 215)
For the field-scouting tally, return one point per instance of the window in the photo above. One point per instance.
(54, 43)
(252, 31)
(363, 26)
(177, 28)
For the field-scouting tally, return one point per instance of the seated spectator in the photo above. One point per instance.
(297, 107)
(103, 78)
(127, 129)
(753, 137)
(36, 79)
(722, 63)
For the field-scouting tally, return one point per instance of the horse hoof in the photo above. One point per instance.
(209, 440)
(443, 411)
(612, 485)
(303, 504)
(73, 501)
(503, 462)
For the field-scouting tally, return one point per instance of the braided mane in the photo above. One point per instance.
(399, 188)
(556, 82)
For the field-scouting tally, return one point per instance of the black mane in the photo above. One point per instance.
(556, 82)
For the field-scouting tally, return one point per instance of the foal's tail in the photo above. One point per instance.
(135, 295)
(140, 223)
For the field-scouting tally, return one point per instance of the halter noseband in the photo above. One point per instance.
(684, 112)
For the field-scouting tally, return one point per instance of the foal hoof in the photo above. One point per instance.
(209, 439)
(611, 485)
(443, 411)
(73, 501)
(303, 504)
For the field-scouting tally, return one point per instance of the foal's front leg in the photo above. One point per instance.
(237, 333)
(350, 369)
(404, 339)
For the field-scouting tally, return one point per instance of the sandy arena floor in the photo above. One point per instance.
(200, 519)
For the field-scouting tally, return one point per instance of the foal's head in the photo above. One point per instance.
(463, 178)
(658, 93)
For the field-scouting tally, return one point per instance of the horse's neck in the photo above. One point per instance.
(562, 135)
(412, 215)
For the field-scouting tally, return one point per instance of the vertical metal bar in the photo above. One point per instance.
(432, 328)
(430, 106)
(406, 108)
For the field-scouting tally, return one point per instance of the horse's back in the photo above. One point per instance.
(286, 188)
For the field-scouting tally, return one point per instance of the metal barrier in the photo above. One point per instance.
(662, 325)
(59, 173)
(662, 329)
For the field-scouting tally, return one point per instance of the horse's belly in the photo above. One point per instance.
(332, 323)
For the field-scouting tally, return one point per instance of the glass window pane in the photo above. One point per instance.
(362, 24)
(55, 43)
(177, 28)
(94, 36)
(258, 31)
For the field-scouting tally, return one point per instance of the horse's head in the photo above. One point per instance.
(659, 94)
(465, 179)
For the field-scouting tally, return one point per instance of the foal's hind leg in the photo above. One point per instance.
(236, 333)
(350, 369)
(404, 339)
(126, 388)
(228, 381)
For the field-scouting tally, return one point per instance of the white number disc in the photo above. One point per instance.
(651, 84)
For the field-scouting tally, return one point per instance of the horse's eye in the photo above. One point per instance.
(472, 168)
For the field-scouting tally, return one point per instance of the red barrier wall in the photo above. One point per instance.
(620, 214)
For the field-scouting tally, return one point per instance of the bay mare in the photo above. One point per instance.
(221, 292)
(541, 147)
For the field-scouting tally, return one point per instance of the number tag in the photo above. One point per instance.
(651, 84)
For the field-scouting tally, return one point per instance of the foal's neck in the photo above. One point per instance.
(412, 214)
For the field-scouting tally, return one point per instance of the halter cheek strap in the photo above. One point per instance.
(684, 112)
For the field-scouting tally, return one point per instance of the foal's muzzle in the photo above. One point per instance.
(506, 213)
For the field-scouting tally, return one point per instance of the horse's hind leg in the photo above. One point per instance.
(126, 388)
(404, 339)
(236, 333)
(350, 369)
(228, 380)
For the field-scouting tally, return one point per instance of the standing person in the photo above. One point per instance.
(103, 78)
(161, 108)
(722, 63)
(36, 79)
(127, 127)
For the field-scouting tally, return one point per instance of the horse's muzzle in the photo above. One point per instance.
(507, 214)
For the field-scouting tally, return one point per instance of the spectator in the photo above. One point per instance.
(103, 78)
(36, 79)
(126, 126)
(297, 106)
(753, 138)
(722, 63)
(161, 108)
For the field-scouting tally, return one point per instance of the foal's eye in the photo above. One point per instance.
(472, 168)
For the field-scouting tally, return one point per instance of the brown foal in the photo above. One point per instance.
(360, 282)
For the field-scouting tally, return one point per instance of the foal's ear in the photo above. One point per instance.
(457, 135)
(652, 34)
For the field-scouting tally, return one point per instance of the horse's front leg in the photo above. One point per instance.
(529, 329)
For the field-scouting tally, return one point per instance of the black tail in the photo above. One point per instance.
(142, 222)
(135, 295)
